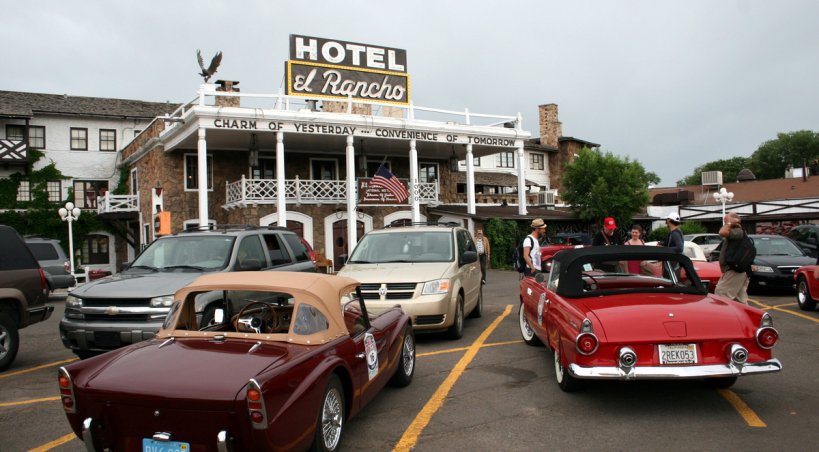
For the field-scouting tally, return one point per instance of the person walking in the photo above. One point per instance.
(531, 247)
(482, 246)
(733, 284)
(606, 236)
(675, 238)
(635, 239)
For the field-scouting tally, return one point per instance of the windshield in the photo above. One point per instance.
(197, 252)
(776, 246)
(410, 246)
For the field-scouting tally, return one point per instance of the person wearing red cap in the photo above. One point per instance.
(607, 236)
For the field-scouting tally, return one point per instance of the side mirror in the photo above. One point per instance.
(540, 277)
(218, 316)
(469, 257)
(249, 265)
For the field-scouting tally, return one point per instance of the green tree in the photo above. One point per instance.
(729, 167)
(599, 185)
(772, 157)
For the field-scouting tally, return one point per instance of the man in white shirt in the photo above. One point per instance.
(531, 247)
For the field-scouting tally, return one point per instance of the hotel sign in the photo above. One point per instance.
(374, 195)
(329, 69)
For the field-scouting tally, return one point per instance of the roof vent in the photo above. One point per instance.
(712, 178)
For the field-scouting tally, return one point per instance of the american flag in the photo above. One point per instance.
(384, 178)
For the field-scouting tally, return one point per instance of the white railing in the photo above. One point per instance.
(245, 192)
(117, 203)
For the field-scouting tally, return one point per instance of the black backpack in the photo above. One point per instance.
(518, 262)
(740, 256)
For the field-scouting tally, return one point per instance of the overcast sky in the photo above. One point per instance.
(670, 84)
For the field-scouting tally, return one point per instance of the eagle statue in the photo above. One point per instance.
(214, 65)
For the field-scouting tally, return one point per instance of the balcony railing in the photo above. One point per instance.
(117, 203)
(245, 192)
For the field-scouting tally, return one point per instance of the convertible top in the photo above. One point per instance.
(570, 264)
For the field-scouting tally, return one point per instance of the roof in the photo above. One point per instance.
(490, 178)
(578, 140)
(323, 292)
(26, 105)
(485, 213)
(750, 191)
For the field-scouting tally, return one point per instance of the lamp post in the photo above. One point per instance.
(70, 213)
(723, 196)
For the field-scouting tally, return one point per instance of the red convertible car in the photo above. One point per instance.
(608, 324)
(288, 360)
(807, 286)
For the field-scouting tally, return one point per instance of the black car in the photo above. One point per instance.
(807, 237)
(777, 258)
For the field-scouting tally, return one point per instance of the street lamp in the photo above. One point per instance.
(723, 196)
(70, 213)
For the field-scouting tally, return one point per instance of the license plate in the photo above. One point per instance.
(678, 353)
(152, 445)
(107, 338)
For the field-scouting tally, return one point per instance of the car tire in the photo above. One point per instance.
(330, 418)
(456, 331)
(406, 365)
(9, 340)
(526, 330)
(720, 383)
(564, 379)
(477, 311)
(803, 298)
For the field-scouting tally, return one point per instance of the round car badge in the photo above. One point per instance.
(382, 291)
(371, 351)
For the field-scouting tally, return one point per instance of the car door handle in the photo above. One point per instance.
(360, 355)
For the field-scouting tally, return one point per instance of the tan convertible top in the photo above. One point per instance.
(323, 292)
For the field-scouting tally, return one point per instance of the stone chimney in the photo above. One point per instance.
(550, 128)
(227, 86)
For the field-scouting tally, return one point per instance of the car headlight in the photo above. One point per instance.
(764, 269)
(437, 286)
(162, 302)
(73, 302)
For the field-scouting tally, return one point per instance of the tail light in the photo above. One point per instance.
(67, 266)
(67, 391)
(766, 335)
(43, 282)
(586, 342)
(628, 358)
(255, 405)
(739, 354)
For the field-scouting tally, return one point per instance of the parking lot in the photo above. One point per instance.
(490, 391)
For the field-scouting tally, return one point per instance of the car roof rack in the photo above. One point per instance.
(399, 224)
(220, 228)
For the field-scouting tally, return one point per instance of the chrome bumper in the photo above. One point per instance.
(223, 442)
(673, 372)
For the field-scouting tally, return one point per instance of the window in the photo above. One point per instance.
(87, 191)
(428, 172)
(134, 182)
(309, 320)
(250, 249)
(79, 139)
(95, 250)
(278, 254)
(372, 167)
(54, 188)
(24, 191)
(323, 169)
(192, 172)
(505, 160)
(299, 250)
(36, 137)
(137, 132)
(476, 161)
(108, 140)
(15, 132)
(265, 170)
(536, 161)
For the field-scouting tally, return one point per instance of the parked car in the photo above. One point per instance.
(431, 271)
(707, 241)
(708, 272)
(807, 286)
(807, 237)
(620, 326)
(51, 257)
(23, 293)
(777, 259)
(130, 306)
(291, 359)
(561, 241)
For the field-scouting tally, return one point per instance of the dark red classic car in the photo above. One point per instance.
(288, 360)
(604, 323)
(807, 286)
(560, 242)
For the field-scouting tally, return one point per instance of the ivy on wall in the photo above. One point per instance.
(503, 236)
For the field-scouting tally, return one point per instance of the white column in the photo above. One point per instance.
(352, 224)
(414, 197)
(281, 194)
(470, 181)
(202, 177)
(521, 178)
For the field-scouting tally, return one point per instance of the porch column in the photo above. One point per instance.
(521, 178)
(202, 177)
(415, 199)
(470, 181)
(352, 224)
(281, 192)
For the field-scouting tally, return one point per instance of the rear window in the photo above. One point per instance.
(15, 255)
(299, 250)
(43, 251)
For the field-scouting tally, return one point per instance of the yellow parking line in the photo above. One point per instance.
(57, 442)
(744, 410)
(26, 402)
(411, 434)
(32, 369)
(460, 349)
(779, 308)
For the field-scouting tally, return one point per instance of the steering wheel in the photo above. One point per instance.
(256, 317)
(586, 285)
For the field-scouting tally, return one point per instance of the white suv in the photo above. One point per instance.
(432, 272)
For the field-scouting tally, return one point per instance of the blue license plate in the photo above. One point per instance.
(152, 445)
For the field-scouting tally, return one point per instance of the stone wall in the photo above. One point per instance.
(550, 128)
